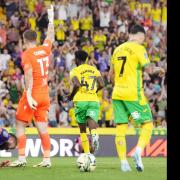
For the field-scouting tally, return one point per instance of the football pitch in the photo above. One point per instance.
(64, 168)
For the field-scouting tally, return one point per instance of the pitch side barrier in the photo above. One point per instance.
(63, 143)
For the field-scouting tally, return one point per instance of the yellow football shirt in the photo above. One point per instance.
(38, 36)
(164, 15)
(87, 76)
(75, 24)
(132, 5)
(11, 69)
(128, 61)
(32, 21)
(58, 22)
(31, 5)
(88, 49)
(60, 34)
(156, 15)
(86, 23)
(100, 40)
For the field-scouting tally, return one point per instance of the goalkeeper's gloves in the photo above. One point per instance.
(51, 14)
(32, 103)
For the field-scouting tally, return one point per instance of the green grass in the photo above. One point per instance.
(65, 169)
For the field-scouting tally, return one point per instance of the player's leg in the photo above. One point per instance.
(141, 115)
(84, 138)
(80, 113)
(144, 138)
(121, 120)
(23, 116)
(45, 142)
(20, 133)
(92, 115)
(42, 126)
(93, 130)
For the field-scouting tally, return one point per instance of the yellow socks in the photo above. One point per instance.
(145, 135)
(121, 141)
(85, 142)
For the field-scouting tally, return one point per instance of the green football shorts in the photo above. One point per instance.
(84, 109)
(124, 109)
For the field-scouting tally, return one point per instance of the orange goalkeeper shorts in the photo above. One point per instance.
(25, 113)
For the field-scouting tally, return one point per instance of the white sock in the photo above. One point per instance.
(46, 160)
(138, 150)
(22, 158)
(124, 161)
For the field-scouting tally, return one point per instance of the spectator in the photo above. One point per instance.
(61, 9)
(97, 27)
(4, 59)
(3, 35)
(69, 59)
(86, 22)
(156, 14)
(103, 62)
(52, 112)
(100, 40)
(107, 109)
(72, 8)
(105, 15)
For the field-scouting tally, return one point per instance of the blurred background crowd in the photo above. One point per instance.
(96, 26)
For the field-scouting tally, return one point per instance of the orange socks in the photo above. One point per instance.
(21, 145)
(46, 145)
(45, 141)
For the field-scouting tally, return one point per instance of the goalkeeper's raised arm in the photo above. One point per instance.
(50, 31)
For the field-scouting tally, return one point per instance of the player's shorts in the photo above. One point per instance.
(123, 110)
(84, 109)
(25, 113)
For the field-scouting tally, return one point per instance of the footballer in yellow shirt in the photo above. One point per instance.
(128, 61)
(87, 81)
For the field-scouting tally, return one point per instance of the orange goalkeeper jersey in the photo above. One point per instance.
(37, 58)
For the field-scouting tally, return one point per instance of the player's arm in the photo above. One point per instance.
(111, 7)
(150, 69)
(147, 65)
(111, 74)
(76, 86)
(28, 80)
(100, 83)
(28, 86)
(50, 30)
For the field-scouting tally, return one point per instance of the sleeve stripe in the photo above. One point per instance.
(146, 64)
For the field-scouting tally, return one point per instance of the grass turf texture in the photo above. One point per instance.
(108, 168)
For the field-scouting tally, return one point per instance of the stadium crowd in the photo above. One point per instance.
(97, 27)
